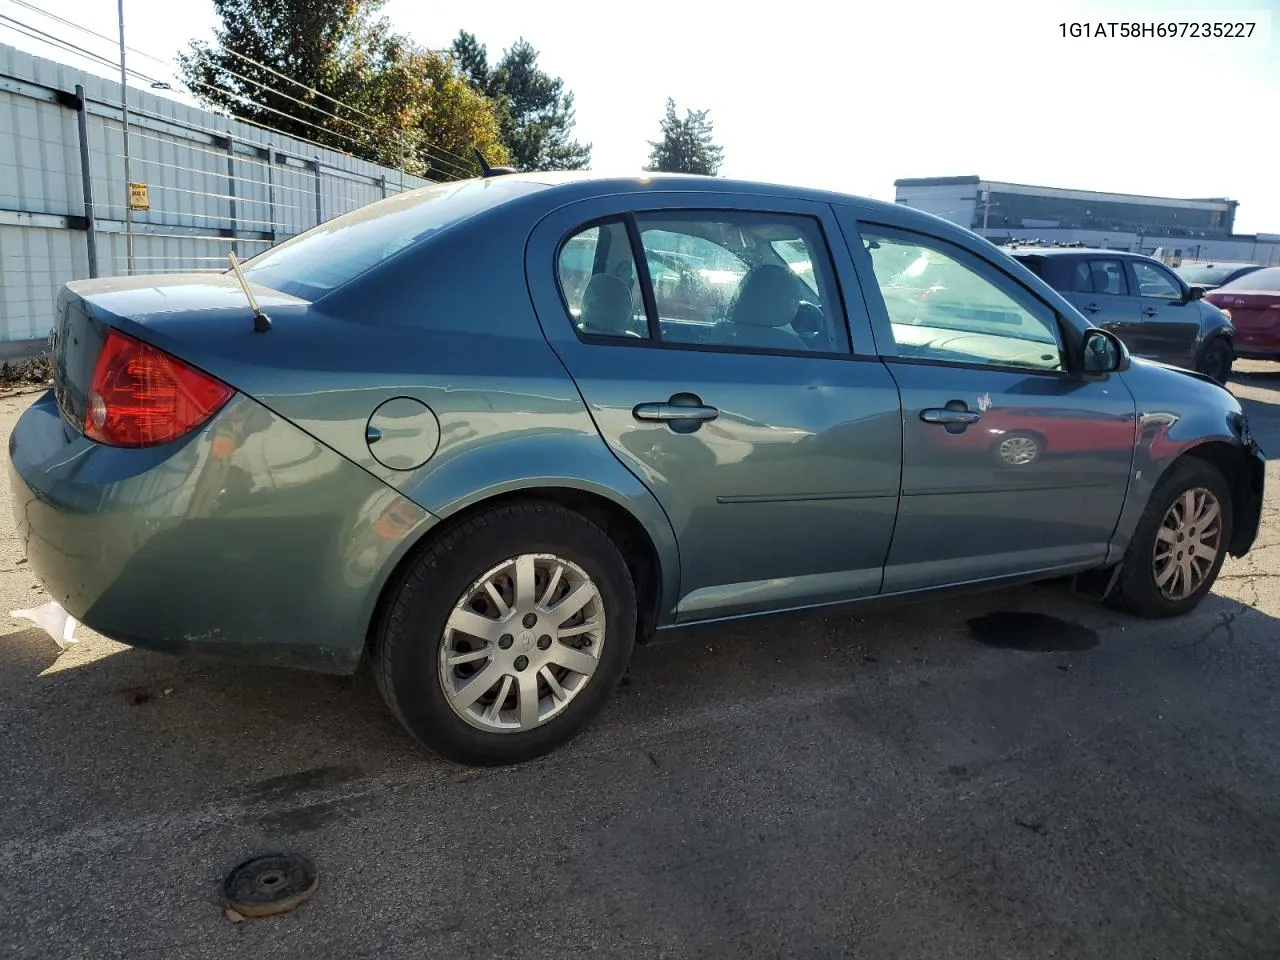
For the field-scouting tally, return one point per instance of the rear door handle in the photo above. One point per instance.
(1093, 308)
(669, 412)
(944, 416)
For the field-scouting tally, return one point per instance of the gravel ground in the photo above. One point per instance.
(897, 785)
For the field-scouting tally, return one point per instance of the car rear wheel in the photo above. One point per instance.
(1215, 360)
(507, 635)
(1180, 543)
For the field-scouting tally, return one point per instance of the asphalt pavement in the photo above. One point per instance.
(934, 781)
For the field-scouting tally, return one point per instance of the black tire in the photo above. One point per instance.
(1136, 591)
(408, 638)
(1215, 360)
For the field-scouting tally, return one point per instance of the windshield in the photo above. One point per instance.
(1266, 279)
(339, 250)
(1207, 272)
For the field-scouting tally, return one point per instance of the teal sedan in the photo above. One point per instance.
(464, 433)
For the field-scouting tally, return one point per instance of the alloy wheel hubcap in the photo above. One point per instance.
(521, 643)
(1187, 543)
(1018, 450)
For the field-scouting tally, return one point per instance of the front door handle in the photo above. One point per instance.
(946, 416)
(674, 412)
(1150, 312)
(1093, 308)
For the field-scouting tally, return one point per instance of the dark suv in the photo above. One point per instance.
(1148, 306)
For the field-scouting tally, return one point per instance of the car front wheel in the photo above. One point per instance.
(1179, 545)
(1215, 360)
(507, 635)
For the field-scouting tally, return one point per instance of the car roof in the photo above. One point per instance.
(569, 185)
(596, 182)
(1228, 264)
(1073, 252)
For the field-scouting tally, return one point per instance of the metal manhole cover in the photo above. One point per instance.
(265, 886)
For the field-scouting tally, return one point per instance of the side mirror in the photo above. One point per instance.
(1103, 353)
(1196, 293)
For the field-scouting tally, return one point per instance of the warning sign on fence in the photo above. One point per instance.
(138, 199)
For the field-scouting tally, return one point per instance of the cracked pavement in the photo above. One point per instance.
(883, 785)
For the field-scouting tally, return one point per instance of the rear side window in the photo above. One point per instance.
(339, 250)
(1100, 276)
(1034, 264)
(598, 278)
(724, 280)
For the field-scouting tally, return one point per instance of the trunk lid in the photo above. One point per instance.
(176, 313)
(1254, 313)
(74, 344)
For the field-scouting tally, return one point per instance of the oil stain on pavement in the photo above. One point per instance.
(1033, 632)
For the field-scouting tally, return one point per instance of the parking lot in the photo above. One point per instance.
(913, 783)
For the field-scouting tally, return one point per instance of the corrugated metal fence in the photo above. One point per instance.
(212, 185)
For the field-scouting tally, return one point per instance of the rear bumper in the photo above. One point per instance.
(248, 541)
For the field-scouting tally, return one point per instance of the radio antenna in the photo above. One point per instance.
(261, 322)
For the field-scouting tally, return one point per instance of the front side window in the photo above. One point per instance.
(745, 280)
(943, 307)
(1154, 282)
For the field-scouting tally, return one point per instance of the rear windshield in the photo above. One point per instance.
(1034, 264)
(1207, 272)
(339, 250)
(1267, 279)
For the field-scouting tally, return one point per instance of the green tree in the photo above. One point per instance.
(686, 145)
(535, 113)
(359, 87)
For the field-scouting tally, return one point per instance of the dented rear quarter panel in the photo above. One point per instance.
(292, 539)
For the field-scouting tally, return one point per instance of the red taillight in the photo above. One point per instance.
(141, 396)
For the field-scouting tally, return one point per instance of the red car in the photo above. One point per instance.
(1253, 304)
(1018, 436)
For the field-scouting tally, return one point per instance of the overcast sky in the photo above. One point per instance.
(852, 96)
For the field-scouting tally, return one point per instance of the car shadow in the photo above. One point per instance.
(139, 731)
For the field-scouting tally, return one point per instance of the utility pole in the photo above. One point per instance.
(124, 130)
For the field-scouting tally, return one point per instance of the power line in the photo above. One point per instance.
(312, 90)
(92, 33)
(36, 33)
(262, 106)
(192, 125)
(311, 106)
(463, 169)
(455, 168)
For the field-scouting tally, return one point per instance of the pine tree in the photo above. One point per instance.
(686, 145)
(535, 113)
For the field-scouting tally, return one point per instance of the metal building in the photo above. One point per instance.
(1185, 229)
